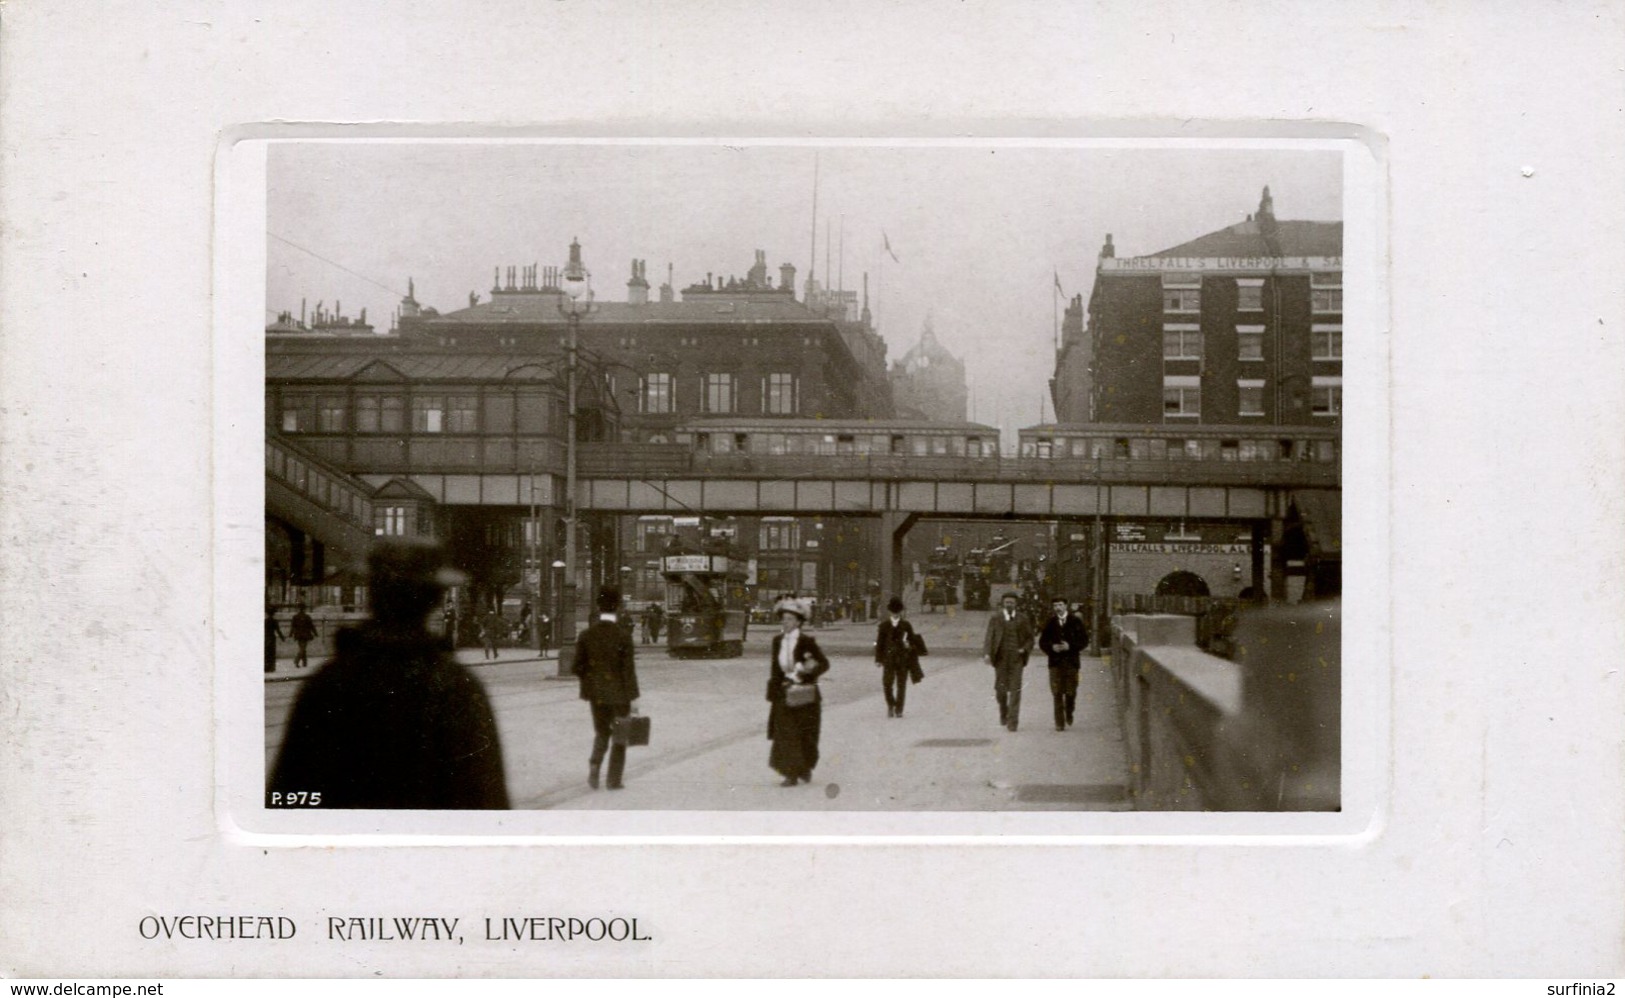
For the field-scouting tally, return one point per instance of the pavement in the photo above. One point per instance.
(709, 747)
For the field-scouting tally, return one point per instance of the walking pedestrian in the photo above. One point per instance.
(1063, 638)
(657, 621)
(544, 632)
(1006, 646)
(490, 630)
(273, 634)
(894, 653)
(797, 711)
(303, 630)
(609, 683)
(392, 720)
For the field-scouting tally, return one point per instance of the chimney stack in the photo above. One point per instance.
(637, 289)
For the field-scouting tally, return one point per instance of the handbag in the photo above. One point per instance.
(800, 694)
(633, 729)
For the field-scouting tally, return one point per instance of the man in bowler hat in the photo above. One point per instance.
(1062, 639)
(1006, 646)
(392, 720)
(609, 683)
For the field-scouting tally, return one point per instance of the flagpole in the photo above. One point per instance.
(1055, 309)
(812, 254)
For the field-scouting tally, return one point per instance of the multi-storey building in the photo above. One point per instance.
(928, 382)
(1240, 326)
(464, 412)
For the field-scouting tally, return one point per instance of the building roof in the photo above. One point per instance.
(542, 308)
(424, 366)
(402, 488)
(1248, 239)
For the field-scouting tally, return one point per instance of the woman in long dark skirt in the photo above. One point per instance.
(797, 663)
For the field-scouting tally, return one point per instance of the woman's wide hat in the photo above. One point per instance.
(800, 607)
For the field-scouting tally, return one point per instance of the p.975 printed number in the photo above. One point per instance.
(294, 798)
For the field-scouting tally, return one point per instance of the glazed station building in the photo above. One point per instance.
(454, 423)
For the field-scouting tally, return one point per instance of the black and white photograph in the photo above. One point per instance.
(766, 491)
(969, 477)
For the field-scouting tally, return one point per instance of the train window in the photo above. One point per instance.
(1029, 448)
(1285, 452)
(774, 442)
(825, 444)
(1255, 450)
(1139, 449)
(1080, 447)
(1043, 448)
(1121, 449)
(742, 442)
(702, 441)
(298, 413)
(1209, 449)
(721, 443)
(920, 446)
(1193, 449)
(1229, 450)
(498, 412)
(428, 413)
(956, 446)
(795, 443)
(973, 446)
(897, 445)
(939, 446)
(1326, 451)
(845, 445)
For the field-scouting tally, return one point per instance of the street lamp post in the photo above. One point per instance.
(558, 609)
(577, 301)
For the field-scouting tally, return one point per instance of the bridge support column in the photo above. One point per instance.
(1099, 615)
(1103, 585)
(1256, 550)
(894, 526)
(1277, 560)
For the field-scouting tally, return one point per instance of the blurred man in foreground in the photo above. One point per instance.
(392, 721)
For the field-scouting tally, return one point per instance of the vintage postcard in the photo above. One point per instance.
(1065, 560)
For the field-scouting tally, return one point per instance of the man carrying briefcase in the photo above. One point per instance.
(609, 683)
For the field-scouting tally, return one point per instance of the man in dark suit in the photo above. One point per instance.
(1062, 638)
(894, 653)
(1006, 646)
(609, 683)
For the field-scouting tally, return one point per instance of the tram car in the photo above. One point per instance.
(941, 585)
(707, 600)
(977, 580)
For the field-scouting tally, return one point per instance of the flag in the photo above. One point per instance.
(887, 241)
(1058, 289)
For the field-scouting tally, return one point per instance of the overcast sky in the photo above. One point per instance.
(979, 231)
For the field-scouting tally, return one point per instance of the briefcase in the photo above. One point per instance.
(632, 729)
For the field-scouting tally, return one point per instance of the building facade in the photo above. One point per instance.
(1238, 327)
(454, 424)
(928, 382)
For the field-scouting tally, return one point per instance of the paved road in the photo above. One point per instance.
(709, 748)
